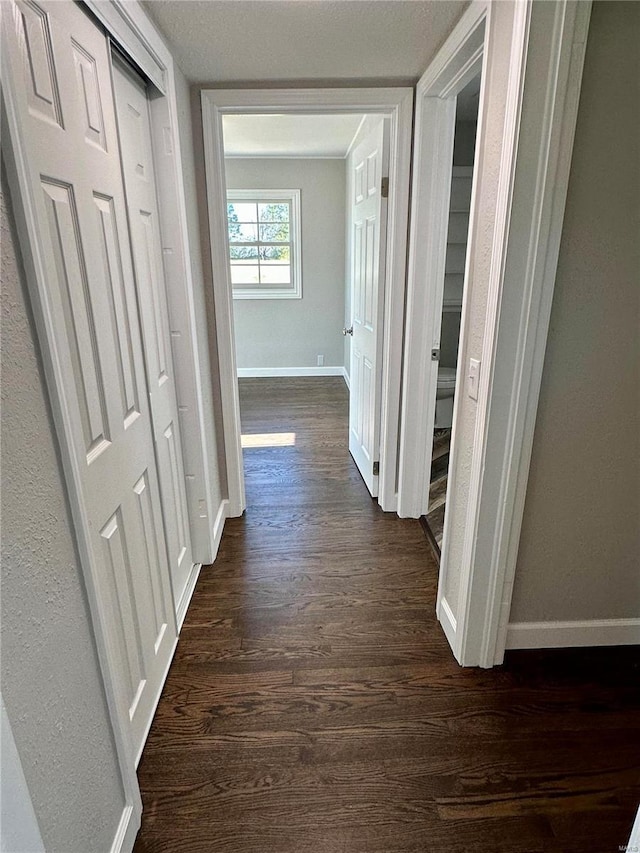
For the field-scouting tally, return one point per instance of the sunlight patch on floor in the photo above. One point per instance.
(269, 439)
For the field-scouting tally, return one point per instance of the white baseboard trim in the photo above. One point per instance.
(218, 526)
(552, 635)
(255, 372)
(347, 378)
(155, 702)
(187, 593)
(127, 831)
(448, 622)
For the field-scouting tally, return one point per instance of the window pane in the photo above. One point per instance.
(239, 211)
(239, 253)
(276, 232)
(244, 273)
(243, 233)
(275, 272)
(275, 253)
(274, 212)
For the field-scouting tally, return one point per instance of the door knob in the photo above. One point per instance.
(348, 331)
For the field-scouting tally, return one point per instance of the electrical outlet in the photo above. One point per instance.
(320, 361)
(473, 378)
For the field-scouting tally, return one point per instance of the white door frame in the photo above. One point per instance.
(128, 25)
(395, 103)
(534, 175)
(458, 62)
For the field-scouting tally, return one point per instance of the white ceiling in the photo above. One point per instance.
(227, 41)
(289, 135)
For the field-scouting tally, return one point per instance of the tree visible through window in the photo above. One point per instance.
(264, 243)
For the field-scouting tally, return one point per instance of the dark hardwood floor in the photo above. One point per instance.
(314, 704)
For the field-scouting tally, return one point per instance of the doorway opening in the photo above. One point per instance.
(276, 266)
(306, 228)
(464, 146)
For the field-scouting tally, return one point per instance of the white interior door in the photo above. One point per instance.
(368, 164)
(134, 126)
(61, 78)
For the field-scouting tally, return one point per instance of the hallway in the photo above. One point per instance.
(314, 704)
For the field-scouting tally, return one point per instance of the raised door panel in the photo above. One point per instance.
(90, 97)
(368, 382)
(78, 314)
(121, 309)
(156, 337)
(33, 35)
(125, 627)
(370, 272)
(358, 293)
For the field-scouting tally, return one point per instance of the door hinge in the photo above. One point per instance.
(376, 469)
(384, 188)
(435, 354)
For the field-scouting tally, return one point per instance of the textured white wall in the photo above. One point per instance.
(51, 682)
(293, 332)
(579, 552)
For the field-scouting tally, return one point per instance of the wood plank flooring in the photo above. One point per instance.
(314, 704)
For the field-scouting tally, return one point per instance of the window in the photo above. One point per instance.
(264, 243)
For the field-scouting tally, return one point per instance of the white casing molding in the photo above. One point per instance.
(126, 832)
(397, 104)
(588, 632)
(448, 621)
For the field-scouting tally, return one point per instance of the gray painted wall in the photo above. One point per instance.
(579, 552)
(51, 682)
(293, 332)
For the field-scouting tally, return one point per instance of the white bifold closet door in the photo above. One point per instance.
(61, 80)
(134, 126)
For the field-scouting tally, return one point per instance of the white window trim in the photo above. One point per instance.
(295, 290)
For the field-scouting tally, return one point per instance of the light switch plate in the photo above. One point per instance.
(473, 379)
